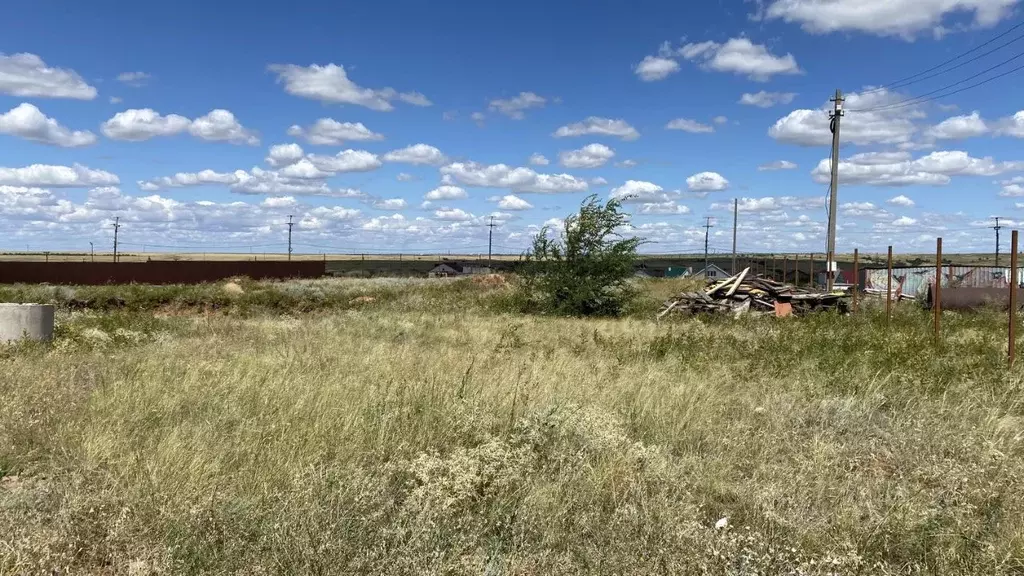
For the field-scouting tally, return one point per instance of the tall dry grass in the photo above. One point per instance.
(415, 436)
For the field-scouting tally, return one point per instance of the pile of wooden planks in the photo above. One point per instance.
(743, 294)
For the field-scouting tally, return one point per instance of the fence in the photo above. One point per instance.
(158, 272)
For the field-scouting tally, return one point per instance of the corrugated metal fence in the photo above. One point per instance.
(157, 272)
(915, 281)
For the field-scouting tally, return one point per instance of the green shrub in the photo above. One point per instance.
(586, 271)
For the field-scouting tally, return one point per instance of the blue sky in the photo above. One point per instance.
(404, 126)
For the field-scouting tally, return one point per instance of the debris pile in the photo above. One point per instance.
(741, 294)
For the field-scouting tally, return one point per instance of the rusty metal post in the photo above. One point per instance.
(773, 266)
(856, 278)
(937, 291)
(796, 270)
(888, 291)
(1012, 348)
(785, 267)
(810, 278)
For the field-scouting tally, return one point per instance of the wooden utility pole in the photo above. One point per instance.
(117, 225)
(830, 258)
(937, 291)
(707, 233)
(735, 220)
(997, 228)
(290, 224)
(490, 239)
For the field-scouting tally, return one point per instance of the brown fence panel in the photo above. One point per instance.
(161, 272)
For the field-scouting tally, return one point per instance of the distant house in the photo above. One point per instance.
(712, 272)
(678, 271)
(449, 269)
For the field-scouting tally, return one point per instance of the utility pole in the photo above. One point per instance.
(490, 238)
(117, 224)
(290, 224)
(830, 258)
(997, 228)
(707, 232)
(735, 218)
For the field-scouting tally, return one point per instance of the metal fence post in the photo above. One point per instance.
(937, 291)
(856, 278)
(888, 291)
(1012, 347)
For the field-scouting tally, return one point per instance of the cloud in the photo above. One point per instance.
(904, 221)
(771, 204)
(45, 175)
(137, 125)
(184, 179)
(405, 177)
(811, 127)
(418, 154)
(901, 200)
(515, 179)
(330, 132)
(515, 107)
(719, 119)
(513, 202)
(691, 126)
(590, 156)
(539, 160)
(331, 84)
(453, 214)
(346, 161)
(28, 122)
(27, 76)
(777, 165)
(707, 182)
(958, 127)
(284, 155)
(1012, 126)
(116, 99)
(478, 117)
(594, 125)
(135, 79)
(446, 192)
(765, 99)
(740, 56)
(598, 181)
(903, 18)
(640, 191)
(221, 126)
(896, 169)
(626, 163)
(653, 68)
(669, 207)
(390, 204)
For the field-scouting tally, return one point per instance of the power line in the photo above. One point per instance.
(923, 97)
(903, 81)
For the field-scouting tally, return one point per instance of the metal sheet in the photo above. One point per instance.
(915, 281)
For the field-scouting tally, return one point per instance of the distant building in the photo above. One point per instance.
(712, 271)
(449, 269)
(678, 271)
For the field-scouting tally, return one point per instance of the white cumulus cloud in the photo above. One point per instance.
(740, 56)
(28, 122)
(135, 79)
(515, 107)
(417, 154)
(707, 182)
(222, 126)
(896, 169)
(46, 175)
(27, 76)
(901, 200)
(284, 155)
(594, 125)
(137, 125)
(453, 214)
(764, 99)
(513, 202)
(446, 192)
(691, 126)
(515, 179)
(777, 165)
(590, 156)
(330, 83)
(641, 192)
(330, 132)
(653, 68)
(539, 160)
(959, 127)
(885, 126)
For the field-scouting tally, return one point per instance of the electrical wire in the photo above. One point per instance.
(924, 97)
(904, 81)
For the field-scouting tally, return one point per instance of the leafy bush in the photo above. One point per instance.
(586, 271)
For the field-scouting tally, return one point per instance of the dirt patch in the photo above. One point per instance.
(490, 280)
(359, 300)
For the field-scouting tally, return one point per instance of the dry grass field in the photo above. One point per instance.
(417, 427)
